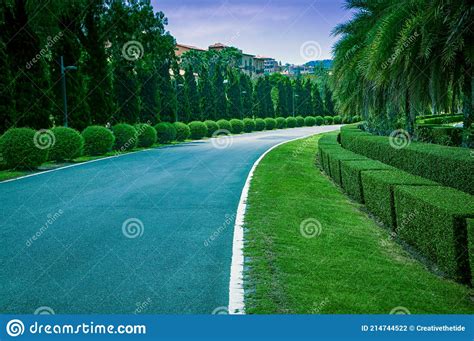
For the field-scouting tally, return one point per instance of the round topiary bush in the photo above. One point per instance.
(166, 132)
(299, 121)
(280, 122)
(309, 121)
(337, 119)
(270, 123)
(249, 125)
(69, 144)
(328, 119)
(98, 140)
(212, 127)
(291, 122)
(146, 135)
(224, 125)
(198, 130)
(346, 119)
(24, 148)
(125, 137)
(356, 119)
(319, 120)
(237, 126)
(259, 124)
(182, 131)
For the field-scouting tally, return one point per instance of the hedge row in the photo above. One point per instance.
(450, 166)
(19, 146)
(433, 219)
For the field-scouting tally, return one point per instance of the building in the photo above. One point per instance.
(260, 65)
(181, 48)
(270, 65)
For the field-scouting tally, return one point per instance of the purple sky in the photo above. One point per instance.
(292, 31)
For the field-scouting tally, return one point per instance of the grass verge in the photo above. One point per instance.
(345, 265)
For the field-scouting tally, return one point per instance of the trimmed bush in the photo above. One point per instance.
(299, 121)
(351, 175)
(237, 126)
(166, 132)
(182, 131)
(198, 130)
(346, 119)
(433, 220)
(328, 120)
(325, 143)
(125, 137)
(69, 144)
(280, 122)
(249, 125)
(319, 120)
(356, 119)
(146, 135)
(224, 125)
(291, 122)
(270, 123)
(309, 121)
(470, 246)
(98, 140)
(19, 150)
(259, 124)
(337, 119)
(335, 156)
(378, 187)
(449, 166)
(211, 126)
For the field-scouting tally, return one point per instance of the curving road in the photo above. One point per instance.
(147, 232)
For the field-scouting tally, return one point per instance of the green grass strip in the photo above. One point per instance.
(349, 266)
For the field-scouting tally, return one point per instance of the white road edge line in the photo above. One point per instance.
(236, 284)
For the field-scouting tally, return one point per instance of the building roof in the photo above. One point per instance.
(262, 57)
(217, 46)
(190, 47)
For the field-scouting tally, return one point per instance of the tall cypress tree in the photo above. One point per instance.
(219, 86)
(234, 95)
(269, 110)
(281, 109)
(318, 106)
(167, 94)
(328, 102)
(207, 99)
(182, 110)
(6, 86)
(247, 94)
(192, 94)
(307, 99)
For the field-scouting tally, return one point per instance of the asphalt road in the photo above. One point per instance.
(68, 243)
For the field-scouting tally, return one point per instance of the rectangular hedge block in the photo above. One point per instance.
(378, 188)
(434, 221)
(351, 175)
(335, 158)
(450, 166)
(324, 151)
(470, 247)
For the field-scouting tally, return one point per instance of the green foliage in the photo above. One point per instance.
(270, 123)
(22, 149)
(125, 137)
(212, 127)
(249, 125)
(192, 95)
(309, 121)
(280, 122)
(328, 120)
(291, 122)
(318, 105)
(198, 130)
(337, 119)
(449, 166)
(470, 246)
(319, 120)
(260, 124)
(146, 135)
(224, 125)
(68, 144)
(236, 125)
(207, 95)
(182, 131)
(98, 140)
(356, 119)
(335, 155)
(234, 94)
(433, 220)
(299, 121)
(351, 176)
(166, 132)
(379, 186)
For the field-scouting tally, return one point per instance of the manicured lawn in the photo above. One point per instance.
(351, 266)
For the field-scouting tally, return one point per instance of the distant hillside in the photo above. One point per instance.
(326, 63)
